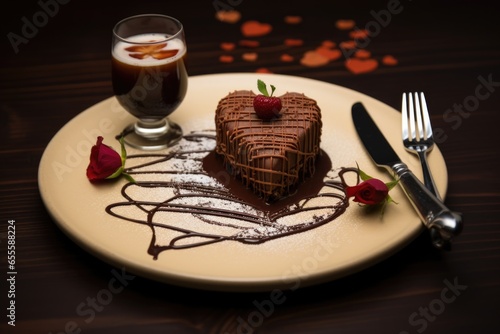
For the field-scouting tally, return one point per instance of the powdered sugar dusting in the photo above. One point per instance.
(186, 206)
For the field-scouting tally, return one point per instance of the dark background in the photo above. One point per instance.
(443, 49)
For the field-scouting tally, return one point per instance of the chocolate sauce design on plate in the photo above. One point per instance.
(188, 200)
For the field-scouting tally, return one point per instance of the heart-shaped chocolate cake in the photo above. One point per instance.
(269, 156)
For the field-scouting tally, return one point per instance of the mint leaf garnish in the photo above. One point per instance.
(262, 87)
(272, 90)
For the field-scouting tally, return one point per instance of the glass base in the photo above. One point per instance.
(136, 136)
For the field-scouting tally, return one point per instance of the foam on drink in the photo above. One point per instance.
(122, 55)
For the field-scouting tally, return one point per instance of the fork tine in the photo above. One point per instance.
(418, 114)
(404, 121)
(425, 114)
(412, 118)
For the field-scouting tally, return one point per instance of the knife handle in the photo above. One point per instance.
(442, 223)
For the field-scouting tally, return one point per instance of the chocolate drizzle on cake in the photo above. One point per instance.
(185, 199)
(270, 157)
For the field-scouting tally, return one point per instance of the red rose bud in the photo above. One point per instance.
(371, 192)
(104, 162)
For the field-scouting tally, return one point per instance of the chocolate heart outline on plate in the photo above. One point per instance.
(207, 202)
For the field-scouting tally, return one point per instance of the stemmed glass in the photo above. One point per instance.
(149, 77)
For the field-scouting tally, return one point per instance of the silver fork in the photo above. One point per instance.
(417, 134)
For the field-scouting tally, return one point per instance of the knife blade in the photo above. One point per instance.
(442, 223)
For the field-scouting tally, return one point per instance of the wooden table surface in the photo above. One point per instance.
(56, 63)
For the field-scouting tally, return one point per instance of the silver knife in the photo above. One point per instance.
(442, 223)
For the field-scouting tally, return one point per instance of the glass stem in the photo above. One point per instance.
(151, 129)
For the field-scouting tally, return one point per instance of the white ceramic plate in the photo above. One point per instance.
(350, 243)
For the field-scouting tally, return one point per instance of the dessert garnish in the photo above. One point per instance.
(155, 50)
(370, 192)
(266, 105)
(106, 163)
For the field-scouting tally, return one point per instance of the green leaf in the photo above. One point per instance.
(121, 170)
(272, 90)
(124, 151)
(382, 209)
(118, 172)
(364, 176)
(392, 184)
(128, 178)
(390, 200)
(262, 87)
